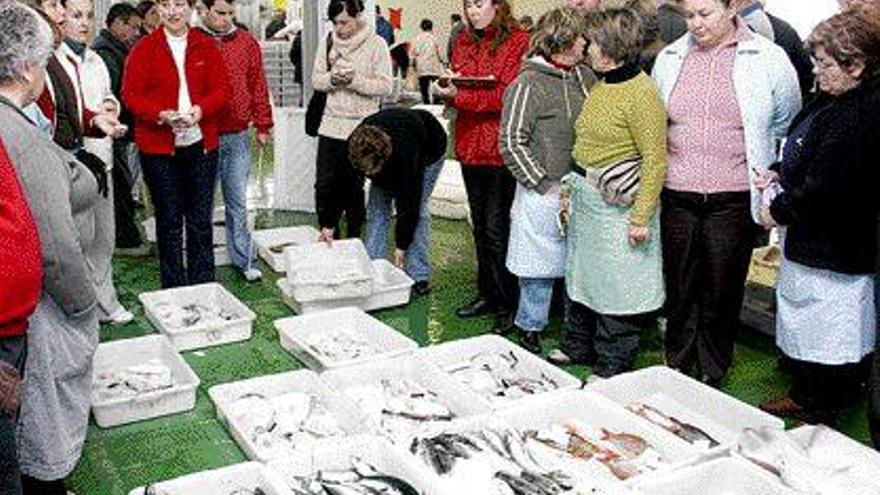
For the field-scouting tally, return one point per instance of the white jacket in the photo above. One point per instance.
(90, 77)
(767, 90)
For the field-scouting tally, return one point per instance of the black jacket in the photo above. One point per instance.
(418, 141)
(113, 52)
(831, 205)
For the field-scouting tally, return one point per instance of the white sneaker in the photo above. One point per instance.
(120, 317)
(252, 274)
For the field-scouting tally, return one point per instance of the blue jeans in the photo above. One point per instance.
(535, 296)
(418, 263)
(182, 189)
(234, 167)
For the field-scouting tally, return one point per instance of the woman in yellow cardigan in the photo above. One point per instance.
(614, 269)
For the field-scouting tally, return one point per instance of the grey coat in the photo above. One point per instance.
(63, 332)
(537, 122)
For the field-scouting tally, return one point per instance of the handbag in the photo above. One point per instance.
(617, 183)
(318, 101)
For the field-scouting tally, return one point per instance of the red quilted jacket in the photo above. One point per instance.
(479, 109)
(150, 85)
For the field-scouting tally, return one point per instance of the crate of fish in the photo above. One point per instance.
(249, 478)
(813, 459)
(272, 242)
(322, 272)
(304, 308)
(284, 415)
(391, 286)
(340, 338)
(500, 372)
(140, 378)
(198, 316)
(697, 413)
(356, 465)
(405, 396)
(723, 476)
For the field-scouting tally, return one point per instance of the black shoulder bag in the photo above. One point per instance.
(315, 109)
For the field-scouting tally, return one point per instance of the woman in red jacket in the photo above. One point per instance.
(175, 87)
(492, 46)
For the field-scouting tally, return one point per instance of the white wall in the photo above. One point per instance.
(803, 15)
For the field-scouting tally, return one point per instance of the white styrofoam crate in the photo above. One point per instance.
(719, 415)
(454, 354)
(854, 465)
(320, 272)
(349, 418)
(315, 306)
(238, 478)
(269, 240)
(295, 331)
(375, 451)
(391, 286)
(457, 399)
(722, 476)
(205, 334)
(120, 354)
(595, 411)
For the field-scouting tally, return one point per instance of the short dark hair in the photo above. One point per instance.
(210, 3)
(352, 7)
(144, 6)
(426, 25)
(369, 149)
(122, 12)
(455, 17)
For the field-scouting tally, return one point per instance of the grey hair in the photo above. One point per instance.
(26, 39)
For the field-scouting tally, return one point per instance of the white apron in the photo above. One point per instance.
(536, 248)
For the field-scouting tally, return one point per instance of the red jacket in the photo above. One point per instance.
(150, 85)
(249, 102)
(21, 265)
(478, 122)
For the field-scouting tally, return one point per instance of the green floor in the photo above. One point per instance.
(117, 460)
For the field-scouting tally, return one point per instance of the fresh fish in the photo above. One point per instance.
(681, 429)
(362, 479)
(628, 444)
(499, 377)
(183, 316)
(132, 380)
(341, 346)
(279, 249)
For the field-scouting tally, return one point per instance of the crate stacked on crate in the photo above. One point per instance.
(280, 73)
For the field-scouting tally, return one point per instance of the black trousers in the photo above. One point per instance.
(490, 196)
(874, 399)
(707, 246)
(127, 233)
(33, 486)
(182, 189)
(339, 188)
(425, 88)
(609, 343)
(13, 352)
(826, 387)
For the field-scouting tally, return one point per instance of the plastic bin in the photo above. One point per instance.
(375, 451)
(856, 465)
(318, 272)
(204, 334)
(381, 341)
(114, 356)
(454, 354)
(391, 286)
(723, 476)
(458, 400)
(349, 418)
(270, 243)
(315, 306)
(244, 477)
(719, 415)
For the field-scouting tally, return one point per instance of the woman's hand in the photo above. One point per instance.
(195, 115)
(326, 235)
(766, 179)
(766, 218)
(399, 259)
(109, 125)
(638, 235)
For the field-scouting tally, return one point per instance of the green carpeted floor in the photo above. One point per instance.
(117, 460)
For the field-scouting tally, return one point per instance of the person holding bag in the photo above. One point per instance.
(614, 276)
(353, 68)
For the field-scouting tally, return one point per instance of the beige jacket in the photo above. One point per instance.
(426, 55)
(346, 106)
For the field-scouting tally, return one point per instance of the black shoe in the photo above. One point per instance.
(504, 325)
(530, 341)
(421, 287)
(477, 307)
(712, 382)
